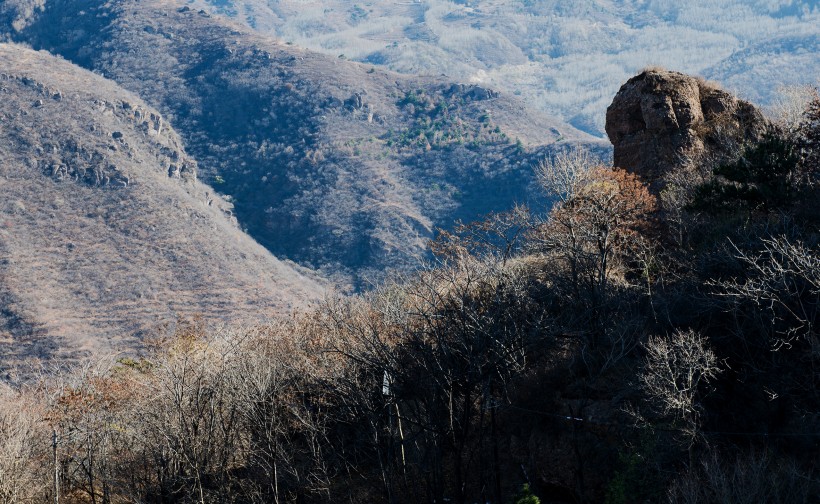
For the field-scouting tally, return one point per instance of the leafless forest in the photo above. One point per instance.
(233, 270)
(627, 347)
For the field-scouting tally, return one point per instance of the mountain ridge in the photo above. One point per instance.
(336, 165)
(567, 58)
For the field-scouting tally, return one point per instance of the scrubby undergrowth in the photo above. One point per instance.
(625, 348)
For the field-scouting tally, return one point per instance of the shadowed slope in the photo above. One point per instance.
(330, 163)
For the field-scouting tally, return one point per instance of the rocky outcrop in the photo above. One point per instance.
(355, 102)
(471, 92)
(662, 120)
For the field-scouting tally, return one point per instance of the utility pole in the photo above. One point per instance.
(56, 467)
(401, 439)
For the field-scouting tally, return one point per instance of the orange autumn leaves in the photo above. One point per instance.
(601, 218)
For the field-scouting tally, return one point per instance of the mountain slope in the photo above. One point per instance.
(758, 70)
(105, 233)
(565, 57)
(334, 164)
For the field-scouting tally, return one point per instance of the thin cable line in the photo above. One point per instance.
(613, 424)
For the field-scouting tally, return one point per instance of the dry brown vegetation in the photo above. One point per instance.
(105, 233)
(617, 349)
(687, 378)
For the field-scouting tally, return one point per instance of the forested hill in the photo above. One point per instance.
(640, 330)
(340, 166)
(652, 339)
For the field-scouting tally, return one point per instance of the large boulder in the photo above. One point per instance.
(661, 120)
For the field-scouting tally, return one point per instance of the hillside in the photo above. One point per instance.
(105, 233)
(337, 165)
(760, 68)
(564, 57)
(652, 339)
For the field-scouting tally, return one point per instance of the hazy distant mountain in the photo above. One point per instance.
(759, 68)
(334, 164)
(105, 233)
(566, 57)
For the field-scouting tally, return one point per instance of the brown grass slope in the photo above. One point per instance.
(334, 164)
(105, 234)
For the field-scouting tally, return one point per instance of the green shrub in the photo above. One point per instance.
(525, 496)
(763, 178)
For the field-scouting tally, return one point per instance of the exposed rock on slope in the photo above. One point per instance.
(334, 164)
(660, 120)
(105, 234)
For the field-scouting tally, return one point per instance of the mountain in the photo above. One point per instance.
(565, 57)
(106, 235)
(630, 347)
(340, 166)
(761, 68)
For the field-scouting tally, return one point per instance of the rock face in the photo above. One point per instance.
(661, 120)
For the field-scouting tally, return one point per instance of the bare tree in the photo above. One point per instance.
(790, 105)
(285, 382)
(496, 237)
(86, 408)
(563, 174)
(808, 135)
(747, 479)
(187, 418)
(605, 219)
(675, 368)
(782, 282)
(23, 440)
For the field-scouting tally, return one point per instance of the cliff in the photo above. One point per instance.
(661, 120)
